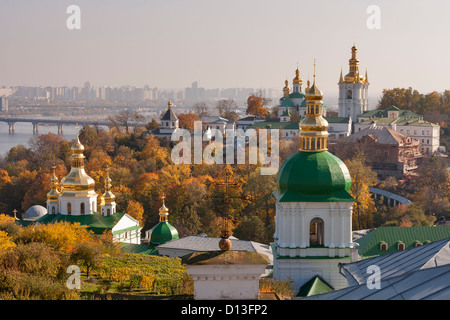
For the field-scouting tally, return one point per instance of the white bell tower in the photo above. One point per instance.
(353, 91)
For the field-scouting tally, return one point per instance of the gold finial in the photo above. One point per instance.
(170, 104)
(163, 211)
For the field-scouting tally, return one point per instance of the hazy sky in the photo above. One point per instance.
(245, 43)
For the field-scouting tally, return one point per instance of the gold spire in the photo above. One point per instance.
(313, 127)
(341, 78)
(169, 104)
(366, 78)
(163, 211)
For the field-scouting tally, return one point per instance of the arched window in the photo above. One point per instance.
(383, 246)
(69, 208)
(82, 210)
(108, 212)
(53, 210)
(349, 94)
(401, 246)
(316, 232)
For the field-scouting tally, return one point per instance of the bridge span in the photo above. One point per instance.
(60, 123)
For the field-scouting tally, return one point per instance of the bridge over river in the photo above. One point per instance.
(60, 123)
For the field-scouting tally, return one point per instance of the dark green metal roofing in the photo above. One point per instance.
(276, 125)
(138, 248)
(297, 95)
(94, 222)
(369, 245)
(163, 232)
(287, 103)
(313, 177)
(314, 286)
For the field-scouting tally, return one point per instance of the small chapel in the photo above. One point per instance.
(74, 199)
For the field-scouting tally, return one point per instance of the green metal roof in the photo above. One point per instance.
(286, 103)
(137, 248)
(297, 95)
(276, 125)
(162, 233)
(392, 108)
(94, 222)
(313, 177)
(314, 286)
(369, 245)
(384, 113)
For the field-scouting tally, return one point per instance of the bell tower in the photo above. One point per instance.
(353, 90)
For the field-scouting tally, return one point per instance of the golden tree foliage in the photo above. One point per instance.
(136, 210)
(255, 106)
(61, 236)
(6, 244)
(362, 178)
(153, 150)
(4, 178)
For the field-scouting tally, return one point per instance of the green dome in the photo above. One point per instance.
(313, 177)
(163, 232)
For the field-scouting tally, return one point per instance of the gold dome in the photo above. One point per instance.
(77, 180)
(297, 78)
(53, 194)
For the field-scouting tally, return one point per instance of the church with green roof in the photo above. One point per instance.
(313, 232)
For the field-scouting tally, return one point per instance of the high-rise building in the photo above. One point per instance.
(3, 104)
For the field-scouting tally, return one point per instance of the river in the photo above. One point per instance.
(24, 132)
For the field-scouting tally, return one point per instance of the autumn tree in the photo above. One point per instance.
(227, 109)
(251, 228)
(136, 210)
(186, 120)
(433, 186)
(255, 106)
(362, 178)
(201, 109)
(4, 178)
(88, 253)
(126, 118)
(153, 150)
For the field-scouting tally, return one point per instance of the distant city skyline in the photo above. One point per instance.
(232, 44)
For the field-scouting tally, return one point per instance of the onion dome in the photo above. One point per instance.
(108, 196)
(163, 232)
(77, 181)
(297, 78)
(53, 194)
(286, 89)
